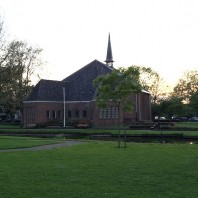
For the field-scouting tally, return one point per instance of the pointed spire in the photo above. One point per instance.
(109, 59)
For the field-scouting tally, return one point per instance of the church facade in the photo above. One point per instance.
(72, 100)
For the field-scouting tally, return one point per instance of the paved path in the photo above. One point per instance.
(44, 147)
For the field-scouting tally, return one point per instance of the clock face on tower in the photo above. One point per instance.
(110, 64)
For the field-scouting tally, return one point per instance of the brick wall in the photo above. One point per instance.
(41, 112)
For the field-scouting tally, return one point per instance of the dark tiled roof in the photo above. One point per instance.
(78, 86)
(47, 90)
(81, 82)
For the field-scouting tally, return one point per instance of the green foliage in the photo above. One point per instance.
(172, 106)
(98, 169)
(117, 87)
(194, 103)
(152, 82)
(187, 85)
(18, 63)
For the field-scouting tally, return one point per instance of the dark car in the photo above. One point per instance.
(179, 119)
(193, 119)
(183, 119)
(175, 119)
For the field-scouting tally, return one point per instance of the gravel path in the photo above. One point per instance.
(44, 147)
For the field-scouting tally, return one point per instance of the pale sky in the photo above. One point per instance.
(161, 34)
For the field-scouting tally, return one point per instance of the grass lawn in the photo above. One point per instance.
(187, 124)
(7, 142)
(183, 125)
(9, 126)
(100, 169)
(97, 131)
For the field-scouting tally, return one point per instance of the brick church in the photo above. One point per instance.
(72, 100)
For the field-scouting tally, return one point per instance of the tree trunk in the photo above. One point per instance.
(119, 138)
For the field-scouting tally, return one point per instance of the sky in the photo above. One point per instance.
(161, 34)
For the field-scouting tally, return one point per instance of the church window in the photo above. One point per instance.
(53, 114)
(69, 114)
(76, 113)
(108, 113)
(102, 113)
(48, 114)
(115, 112)
(84, 113)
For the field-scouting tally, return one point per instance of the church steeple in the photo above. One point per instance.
(109, 59)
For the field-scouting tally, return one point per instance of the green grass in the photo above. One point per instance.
(96, 131)
(57, 131)
(9, 126)
(100, 169)
(7, 142)
(187, 124)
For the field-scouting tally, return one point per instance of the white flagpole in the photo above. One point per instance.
(64, 105)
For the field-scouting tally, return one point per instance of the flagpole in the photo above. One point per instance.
(64, 105)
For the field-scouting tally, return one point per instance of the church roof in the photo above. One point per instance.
(78, 86)
(47, 90)
(81, 82)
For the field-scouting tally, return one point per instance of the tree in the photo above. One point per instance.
(193, 104)
(116, 88)
(18, 64)
(175, 107)
(187, 85)
(152, 82)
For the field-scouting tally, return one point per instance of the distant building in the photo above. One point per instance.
(73, 99)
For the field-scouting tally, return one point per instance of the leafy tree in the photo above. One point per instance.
(18, 64)
(116, 88)
(172, 106)
(187, 85)
(157, 87)
(183, 100)
(152, 82)
(194, 103)
(175, 107)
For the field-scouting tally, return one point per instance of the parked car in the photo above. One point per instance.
(175, 119)
(193, 119)
(179, 119)
(162, 118)
(183, 119)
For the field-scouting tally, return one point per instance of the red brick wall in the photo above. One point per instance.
(39, 110)
(36, 112)
(42, 109)
(108, 122)
(141, 108)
